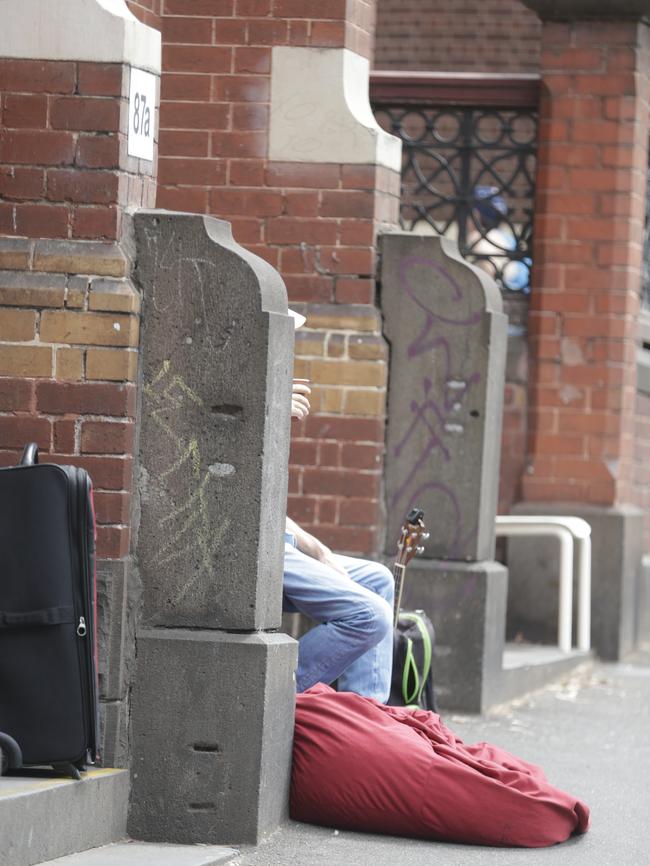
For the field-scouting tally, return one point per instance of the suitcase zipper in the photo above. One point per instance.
(87, 648)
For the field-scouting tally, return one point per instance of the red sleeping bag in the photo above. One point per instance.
(360, 765)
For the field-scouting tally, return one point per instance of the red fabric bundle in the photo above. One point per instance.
(360, 765)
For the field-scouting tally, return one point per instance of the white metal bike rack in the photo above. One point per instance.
(566, 530)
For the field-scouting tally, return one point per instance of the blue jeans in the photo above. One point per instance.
(354, 640)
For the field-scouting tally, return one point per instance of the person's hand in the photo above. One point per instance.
(300, 391)
(311, 546)
(328, 559)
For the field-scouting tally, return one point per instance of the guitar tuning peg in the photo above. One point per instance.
(409, 549)
(419, 550)
(425, 535)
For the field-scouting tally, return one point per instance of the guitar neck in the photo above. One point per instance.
(398, 574)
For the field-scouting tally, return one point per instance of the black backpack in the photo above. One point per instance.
(413, 648)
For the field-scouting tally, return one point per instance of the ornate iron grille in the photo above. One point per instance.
(469, 173)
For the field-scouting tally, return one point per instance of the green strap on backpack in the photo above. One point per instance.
(414, 680)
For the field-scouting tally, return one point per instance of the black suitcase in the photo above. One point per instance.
(48, 679)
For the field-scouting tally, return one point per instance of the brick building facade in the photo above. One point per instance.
(307, 184)
(457, 36)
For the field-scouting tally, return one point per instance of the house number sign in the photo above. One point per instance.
(142, 105)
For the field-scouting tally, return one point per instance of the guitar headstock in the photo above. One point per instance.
(412, 533)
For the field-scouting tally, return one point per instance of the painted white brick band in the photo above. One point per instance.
(99, 31)
(320, 111)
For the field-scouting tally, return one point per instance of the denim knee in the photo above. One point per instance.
(374, 622)
(385, 582)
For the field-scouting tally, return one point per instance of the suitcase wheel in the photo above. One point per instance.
(68, 769)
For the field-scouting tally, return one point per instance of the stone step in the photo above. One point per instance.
(527, 667)
(149, 854)
(43, 816)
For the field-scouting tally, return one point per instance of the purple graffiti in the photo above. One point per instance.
(420, 344)
(434, 412)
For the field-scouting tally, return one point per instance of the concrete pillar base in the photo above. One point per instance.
(466, 602)
(212, 735)
(617, 546)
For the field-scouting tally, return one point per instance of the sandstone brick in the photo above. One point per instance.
(118, 296)
(336, 346)
(26, 289)
(341, 372)
(76, 292)
(114, 365)
(354, 429)
(69, 364)
(17, 360)
(331, 401)
(93, 329)
(369, 348)
(342, 318)
(360, 402)
(309, 343)
(80, 257)
(15, 253)
(17, 325)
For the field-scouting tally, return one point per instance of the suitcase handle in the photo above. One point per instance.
(30, 454)
(12, 757)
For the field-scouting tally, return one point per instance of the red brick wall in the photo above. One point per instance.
(64, 172)
(458, 35)
(147, 11)
(315, 223)
(641, 461)
(69, 317)
(589, 225)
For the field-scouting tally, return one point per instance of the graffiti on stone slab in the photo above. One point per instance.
(186, 524)
(437, 409)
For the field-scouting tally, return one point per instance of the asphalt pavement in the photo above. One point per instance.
(591, 734)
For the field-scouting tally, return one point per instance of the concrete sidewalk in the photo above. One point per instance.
(591, 734)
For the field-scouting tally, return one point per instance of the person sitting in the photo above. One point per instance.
(351, 599)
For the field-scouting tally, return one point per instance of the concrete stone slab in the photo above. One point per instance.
(448, 337)
(643, 606)
(617, 586)
(217, 355)
(467, 604)
(148, 854)
(212, 734)
(43, 816)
